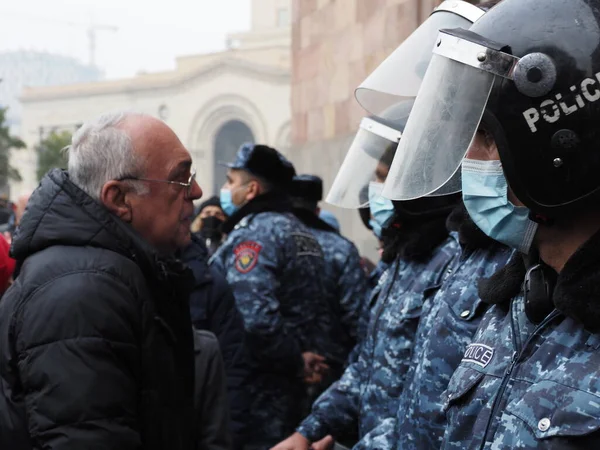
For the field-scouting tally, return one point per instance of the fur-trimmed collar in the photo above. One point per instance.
(505, 284)
(412, 241)
(576, 292)
(272, 201)
(311, 220)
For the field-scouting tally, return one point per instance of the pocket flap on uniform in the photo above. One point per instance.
(462, 382)
(469, 307)
(552, 409)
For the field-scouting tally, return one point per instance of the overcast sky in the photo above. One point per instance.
(151, 33)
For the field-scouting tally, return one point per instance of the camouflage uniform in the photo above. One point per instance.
(532, 385)
(377, 272)
(448, 322)
(370, 300)
(346, 281)
(369, 388)
(274, 265)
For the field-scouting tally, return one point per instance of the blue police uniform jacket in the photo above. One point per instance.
(369, 388)
(530, 378)
(345, 281)
(448, 322)
(274, 266)
(369, 302)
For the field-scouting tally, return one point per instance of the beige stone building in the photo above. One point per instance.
(275, 84)
(214, 102)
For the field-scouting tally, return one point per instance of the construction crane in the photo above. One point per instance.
(92, 29)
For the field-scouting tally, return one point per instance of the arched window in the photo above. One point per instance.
(228, 140)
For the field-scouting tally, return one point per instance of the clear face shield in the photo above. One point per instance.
(400, 75)
(368, 160)
(446, 115)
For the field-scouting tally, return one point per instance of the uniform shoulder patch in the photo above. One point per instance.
(307, 245)
(246, 256)
(479, 354)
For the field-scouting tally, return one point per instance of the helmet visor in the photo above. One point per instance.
(368, 159)
(445, 118)
(400, 75)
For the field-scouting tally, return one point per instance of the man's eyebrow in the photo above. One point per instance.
(180, 169)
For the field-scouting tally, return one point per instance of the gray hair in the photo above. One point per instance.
(100, 152)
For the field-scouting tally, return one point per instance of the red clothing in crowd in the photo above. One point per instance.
(7, 264)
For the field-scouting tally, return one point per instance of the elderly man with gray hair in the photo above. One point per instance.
(96, 345)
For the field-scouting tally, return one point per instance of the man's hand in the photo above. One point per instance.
(314, 367)
(324, 444)
(295, 442)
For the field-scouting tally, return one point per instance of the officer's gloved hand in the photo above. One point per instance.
(314, 368)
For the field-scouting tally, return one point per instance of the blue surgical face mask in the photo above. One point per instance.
(382, 209)
(227, 203)
(485, 194)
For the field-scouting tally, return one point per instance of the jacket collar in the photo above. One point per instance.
(576, 291)
(272, 201)
(412, 241)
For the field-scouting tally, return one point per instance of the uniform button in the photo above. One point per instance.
(465, 313)
(544, 424)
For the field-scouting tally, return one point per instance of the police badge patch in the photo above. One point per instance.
(246, 256)
(479, 354)
(307, 245)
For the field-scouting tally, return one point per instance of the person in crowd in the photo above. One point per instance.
(17, 210)
(5, 210)
(449, 319)
(274, 267)
(208, 222)
(213, 308)
(96, 340)
(330, 219)
(529, 156)
(418, 249)
(346, 284)
(210, 398)
(7, 266)
(372, 270)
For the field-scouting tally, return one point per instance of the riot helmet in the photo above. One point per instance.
(528, 72)
(399, 76)
(368, 162)
(369, 157)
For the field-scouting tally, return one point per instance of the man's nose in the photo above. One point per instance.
(196, 191)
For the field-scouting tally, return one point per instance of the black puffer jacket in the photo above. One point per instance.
(96, 345)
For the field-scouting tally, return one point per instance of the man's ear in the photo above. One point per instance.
(115, 197)
(318, 211)
(254, 190)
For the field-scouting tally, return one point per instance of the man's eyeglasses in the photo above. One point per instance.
(188, 186)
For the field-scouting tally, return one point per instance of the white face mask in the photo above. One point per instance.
(485, 194)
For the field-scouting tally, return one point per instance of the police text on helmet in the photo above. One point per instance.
(552, 110)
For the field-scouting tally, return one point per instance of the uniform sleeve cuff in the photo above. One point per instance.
(312, 429)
